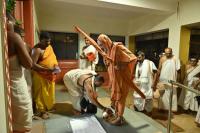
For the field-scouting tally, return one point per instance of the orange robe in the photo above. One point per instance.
(49, 61)
(121, 78)
(43, 82)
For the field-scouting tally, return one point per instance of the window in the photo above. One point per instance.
(195, 43)
(65, 45)
(152, 44)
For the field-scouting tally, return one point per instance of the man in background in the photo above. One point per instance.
(89, 57)
(187, 98)
(145, 70)
(169, 68)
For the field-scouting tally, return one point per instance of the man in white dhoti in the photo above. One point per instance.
(197, 86)
(144, 73)
(81, 85)
(27, 72)
(20, 99)
(89, 57)
(187, 98)
(168, 69)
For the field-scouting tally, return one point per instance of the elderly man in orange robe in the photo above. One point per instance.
(120, 62)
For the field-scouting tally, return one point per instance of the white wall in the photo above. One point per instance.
(3, 110)
(66, 23)
(89, 24)
(188, 14)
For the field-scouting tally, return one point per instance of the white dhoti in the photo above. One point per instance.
(164, 99)
(28, 77)
(21, 102)
(169, 72)
(71, 82)
(144, 82)
(187, 98)
(197, 120)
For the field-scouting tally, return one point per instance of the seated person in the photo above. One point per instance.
(81, 85)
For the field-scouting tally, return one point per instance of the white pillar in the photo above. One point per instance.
(174, 38)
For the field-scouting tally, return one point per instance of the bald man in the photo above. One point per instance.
(168, 69)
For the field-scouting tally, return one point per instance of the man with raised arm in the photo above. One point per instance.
(120, 62)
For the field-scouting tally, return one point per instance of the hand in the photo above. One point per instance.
(56, 70)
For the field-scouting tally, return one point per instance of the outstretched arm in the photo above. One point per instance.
(93, 96)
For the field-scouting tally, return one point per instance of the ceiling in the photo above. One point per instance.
(106, 9)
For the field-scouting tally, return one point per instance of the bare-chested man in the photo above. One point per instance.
(168, 69)
(21, 101)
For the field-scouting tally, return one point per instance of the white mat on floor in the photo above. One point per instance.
(86, 125)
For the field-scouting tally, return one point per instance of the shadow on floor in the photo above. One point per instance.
(64, 108)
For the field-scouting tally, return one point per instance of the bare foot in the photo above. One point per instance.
(118, 121)
(44, 115)
(35, 117)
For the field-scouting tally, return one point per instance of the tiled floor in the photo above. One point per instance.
(185, 121)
